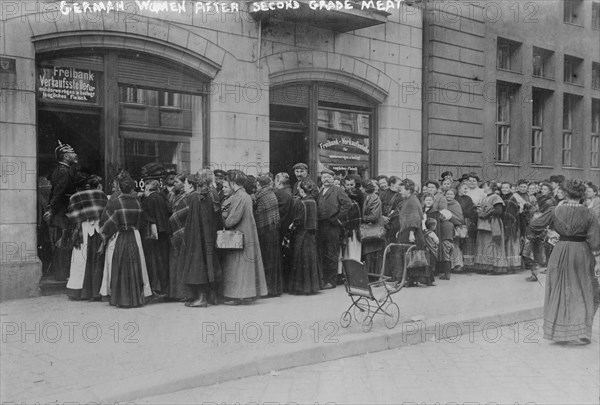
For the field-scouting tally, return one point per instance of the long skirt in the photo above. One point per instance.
(272, 262)
(469, 249)
(372, 255)
(125, 276)
(178, 289)
(157, 260)
(87, 266)
(457, 256)
(512, 247)
(491, 255)
(572, 292)
(351, 250)
(305, 277)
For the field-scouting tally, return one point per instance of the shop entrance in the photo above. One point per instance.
(287, 147)
(81, 130)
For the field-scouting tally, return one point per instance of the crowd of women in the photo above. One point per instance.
(162, 242)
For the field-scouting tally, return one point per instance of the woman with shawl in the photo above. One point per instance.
(87, 262)
(572, 291)
(197, 259)
(411, 232)
(266, 214)
(305, 277)
(514, 205)
(125, 276)
(243, 270)
(179, 290)
(491, 254)
(457, 220)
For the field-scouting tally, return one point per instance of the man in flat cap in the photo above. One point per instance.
(333, 205)
(63, 187)
(301, 172)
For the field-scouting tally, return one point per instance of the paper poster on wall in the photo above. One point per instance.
(56, 83)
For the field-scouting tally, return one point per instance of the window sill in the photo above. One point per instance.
(573, 24)
(509, 71)
(541, 166)
(544, 77)
(595, 168)
(507, 164)
(572, 168)
(575, 84)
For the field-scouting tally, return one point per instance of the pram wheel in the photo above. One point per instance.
(391, 315)
(367, 324)
(345, 319)
(362, 309)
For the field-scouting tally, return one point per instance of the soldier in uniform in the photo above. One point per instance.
(63, 186)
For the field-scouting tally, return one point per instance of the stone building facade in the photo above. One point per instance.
(511, 89)
(127, 82)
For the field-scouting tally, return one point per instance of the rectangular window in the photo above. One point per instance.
(595, 161)
(595, 75)
(542, 63)
(508, 55)
(568, 110)
(537, 132)
(573, 10)
(503, 123)
(596, 16)
(572, 70)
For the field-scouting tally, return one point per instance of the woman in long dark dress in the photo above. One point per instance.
(468, 245)
(458, 221)
(511, 219)
(572, 291)
(197, 260)
(87, 262)
(266, 214)
(372, 250)
(156, 238)
(305, 277)
(125, 276)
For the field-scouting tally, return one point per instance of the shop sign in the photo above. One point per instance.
(344, 153)
(56, 83)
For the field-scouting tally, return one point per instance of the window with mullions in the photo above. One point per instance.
(594, 158)
(567, 132)
(503, 94)
(537, 131)
(573, 10)
(507, 55)
(596, 15)
(595, 75)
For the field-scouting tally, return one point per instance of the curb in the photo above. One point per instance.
(379, 339)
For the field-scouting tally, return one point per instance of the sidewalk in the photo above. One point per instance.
(54, 349)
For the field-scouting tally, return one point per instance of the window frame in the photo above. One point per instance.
(503, 122)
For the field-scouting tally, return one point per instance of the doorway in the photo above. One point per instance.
(287, 147)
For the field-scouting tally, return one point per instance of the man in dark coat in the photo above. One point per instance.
(63, 187)
(285, 201)
(332, 210)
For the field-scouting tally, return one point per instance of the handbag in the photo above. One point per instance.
(461, 231)
(416, 258)
(230, 240)
(484, 225)
(372, 231)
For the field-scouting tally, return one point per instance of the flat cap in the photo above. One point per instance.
(327, 171)
(300, 166)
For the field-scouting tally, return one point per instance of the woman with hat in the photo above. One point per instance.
(243, 271)
(572, 291)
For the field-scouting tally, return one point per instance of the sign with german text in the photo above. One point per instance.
(56, 83)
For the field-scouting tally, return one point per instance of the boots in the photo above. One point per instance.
(199, 303)
(212, 297)
(447, 271)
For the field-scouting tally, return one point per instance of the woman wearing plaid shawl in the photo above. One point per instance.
(125, 274)
(266, 214)
(85, 209)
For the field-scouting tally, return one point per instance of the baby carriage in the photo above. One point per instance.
(371, 293)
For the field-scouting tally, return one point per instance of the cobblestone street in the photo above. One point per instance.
(509, 365)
